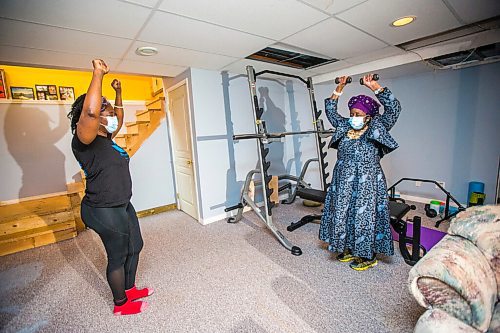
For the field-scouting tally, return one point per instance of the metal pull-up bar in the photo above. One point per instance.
(282, 74)
(276, 135)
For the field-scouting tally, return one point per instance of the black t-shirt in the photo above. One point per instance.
(106, 168)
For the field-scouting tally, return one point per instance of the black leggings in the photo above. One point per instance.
(119, 230)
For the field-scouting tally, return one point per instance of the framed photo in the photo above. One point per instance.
(52, 89)
(67, 93)
(46, 92)
(41, 95)
(23, 93)
(41, 91)
(3, 85)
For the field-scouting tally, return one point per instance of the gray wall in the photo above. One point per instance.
(36, 156)
(35, 150)
(448, 130)
(152, 172)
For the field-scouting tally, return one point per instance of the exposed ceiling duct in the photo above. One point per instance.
(472, 45)
(477, 56)
(468, 30)
(484, 47)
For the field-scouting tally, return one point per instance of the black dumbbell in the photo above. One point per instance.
(349, 80)
(374, 77)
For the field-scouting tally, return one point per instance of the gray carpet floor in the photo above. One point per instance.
(216, 278)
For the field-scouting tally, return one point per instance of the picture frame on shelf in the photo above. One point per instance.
(49, 92)
(22, 93)
(3, 85)
(41, 95)
(41, 91)
(67, 93)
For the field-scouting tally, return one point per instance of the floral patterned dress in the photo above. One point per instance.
(356, 212)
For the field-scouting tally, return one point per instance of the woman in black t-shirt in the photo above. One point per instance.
(106, 207)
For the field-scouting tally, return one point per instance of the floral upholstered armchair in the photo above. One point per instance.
(458, 281)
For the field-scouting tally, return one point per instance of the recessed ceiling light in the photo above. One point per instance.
(403, 21)
(146, 51)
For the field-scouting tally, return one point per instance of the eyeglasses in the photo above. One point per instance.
(104, 103)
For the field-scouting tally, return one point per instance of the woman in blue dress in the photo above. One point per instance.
(355, 219)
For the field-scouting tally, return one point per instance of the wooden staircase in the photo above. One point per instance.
(146, 123)
(36, 221)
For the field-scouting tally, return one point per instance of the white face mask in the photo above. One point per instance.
(357, 122)
(112, 125)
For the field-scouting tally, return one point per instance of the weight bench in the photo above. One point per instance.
(308, 194)
(397, 209)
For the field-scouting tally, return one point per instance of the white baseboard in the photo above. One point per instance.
(214, 218)
(425, 200)
(416, 199)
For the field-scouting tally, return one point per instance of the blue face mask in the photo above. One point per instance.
(112, 125)
(357, 123)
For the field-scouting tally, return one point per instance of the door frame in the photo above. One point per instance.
(194, 155)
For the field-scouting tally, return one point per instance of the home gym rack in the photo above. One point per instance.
(264, 138)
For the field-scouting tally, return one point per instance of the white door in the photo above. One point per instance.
(181, 136)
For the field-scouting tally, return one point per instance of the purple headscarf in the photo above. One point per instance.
(364, 103)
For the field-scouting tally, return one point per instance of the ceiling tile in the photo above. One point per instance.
(174, 30)
(334, 6)
(110, 17)
(385, 52)
(27, 56)
(334, 39)
(149, 68)
(334, 66)
(275, 19)
(58, 39)
(147, 3)
(180, 57)
(481, 10)
(375, 17)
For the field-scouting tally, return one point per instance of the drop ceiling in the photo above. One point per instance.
(219, 34)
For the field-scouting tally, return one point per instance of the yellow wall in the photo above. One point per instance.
(133, 87)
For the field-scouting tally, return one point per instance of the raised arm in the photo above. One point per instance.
(88, 124)
(392, 107)
(117, 86)
(331, 103)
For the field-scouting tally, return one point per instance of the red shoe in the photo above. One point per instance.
(130, 308)
(134, 293)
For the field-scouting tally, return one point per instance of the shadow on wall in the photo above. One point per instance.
(31, 141)
(294, 120)
(275, 120)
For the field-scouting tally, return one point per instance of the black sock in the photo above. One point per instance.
(120, 302)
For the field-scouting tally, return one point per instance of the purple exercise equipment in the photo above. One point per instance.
(428, 237)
